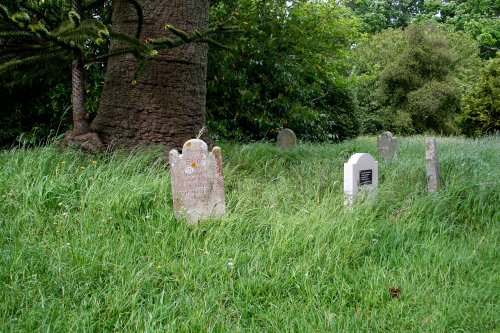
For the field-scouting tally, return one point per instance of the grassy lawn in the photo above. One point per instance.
(90, 244)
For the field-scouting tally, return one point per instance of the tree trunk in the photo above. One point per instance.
(80, 136)
(80, 117)
(167, 105)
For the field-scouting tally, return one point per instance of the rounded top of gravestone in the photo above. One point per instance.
(361, 158)
(286, 138)
(387, 134)
(194, 145)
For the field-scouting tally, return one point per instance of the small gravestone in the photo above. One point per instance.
(197, 182)
(387, 146)
(432, 164)
(286, 139)
(360, 177)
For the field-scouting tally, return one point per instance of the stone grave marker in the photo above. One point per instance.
(197, 182)
(432, 164)
(387, 145)
(360, 177)
(286, 139)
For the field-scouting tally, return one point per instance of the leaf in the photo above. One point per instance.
(394, 292)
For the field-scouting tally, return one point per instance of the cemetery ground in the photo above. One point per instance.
(90, 243)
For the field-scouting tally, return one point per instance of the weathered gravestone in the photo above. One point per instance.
(286, 139)
(197, 182)
(387, 146)
(360, 177)
(432, 164)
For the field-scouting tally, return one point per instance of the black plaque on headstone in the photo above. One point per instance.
(365, 177)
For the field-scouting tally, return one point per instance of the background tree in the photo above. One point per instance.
(37, 38)
(288, 70)
(479, 18)
(412, 80)
(377, 15)
(26, 98)
(28, 40)
(481, 105)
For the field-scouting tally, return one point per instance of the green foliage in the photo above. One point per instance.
(39, 41)
(378, 15)
(90, 243)
(479, 18)
(411, 81)
(433, 105)
(35, 83)
(286, 70)
(481, 105)
(24, 119)
(74, 38)
(24, 45)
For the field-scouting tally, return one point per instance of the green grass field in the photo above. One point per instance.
(90, 244)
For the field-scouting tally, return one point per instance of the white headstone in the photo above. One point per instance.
(197, 182)
(360, 177)
(387, 146)
(432, 164)
(286, 139)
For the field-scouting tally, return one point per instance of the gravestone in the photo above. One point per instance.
(432, 164)
(286, 139)
(197, 182)
(387, 146)
(360, 177)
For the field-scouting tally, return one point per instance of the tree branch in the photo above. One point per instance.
(140, 17)
(35, 12)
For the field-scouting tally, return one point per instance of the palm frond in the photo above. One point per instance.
(135, 43)
(4, 12)
(33, 60)
(16, 34)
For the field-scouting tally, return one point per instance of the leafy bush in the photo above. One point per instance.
(34, 111)
(481, 106)
(286, 71)
(411, 81)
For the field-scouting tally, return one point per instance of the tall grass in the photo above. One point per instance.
(91, 244)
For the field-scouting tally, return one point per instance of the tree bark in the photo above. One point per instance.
(80, 116)
(80, 136)
(167, 104)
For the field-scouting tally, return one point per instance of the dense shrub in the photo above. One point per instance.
(286, 71)
(34, 111)
(481, 106)
(38, 108)
(411, 81)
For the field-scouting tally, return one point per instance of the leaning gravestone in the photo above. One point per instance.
(387, 146)
(197, 182)
(432, 164)
(360, 177)
(286, 139)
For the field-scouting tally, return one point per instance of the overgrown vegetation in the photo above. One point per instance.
(292, 65)
(288, 69)
(90, 243)
(481, 114)
(412, 80)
